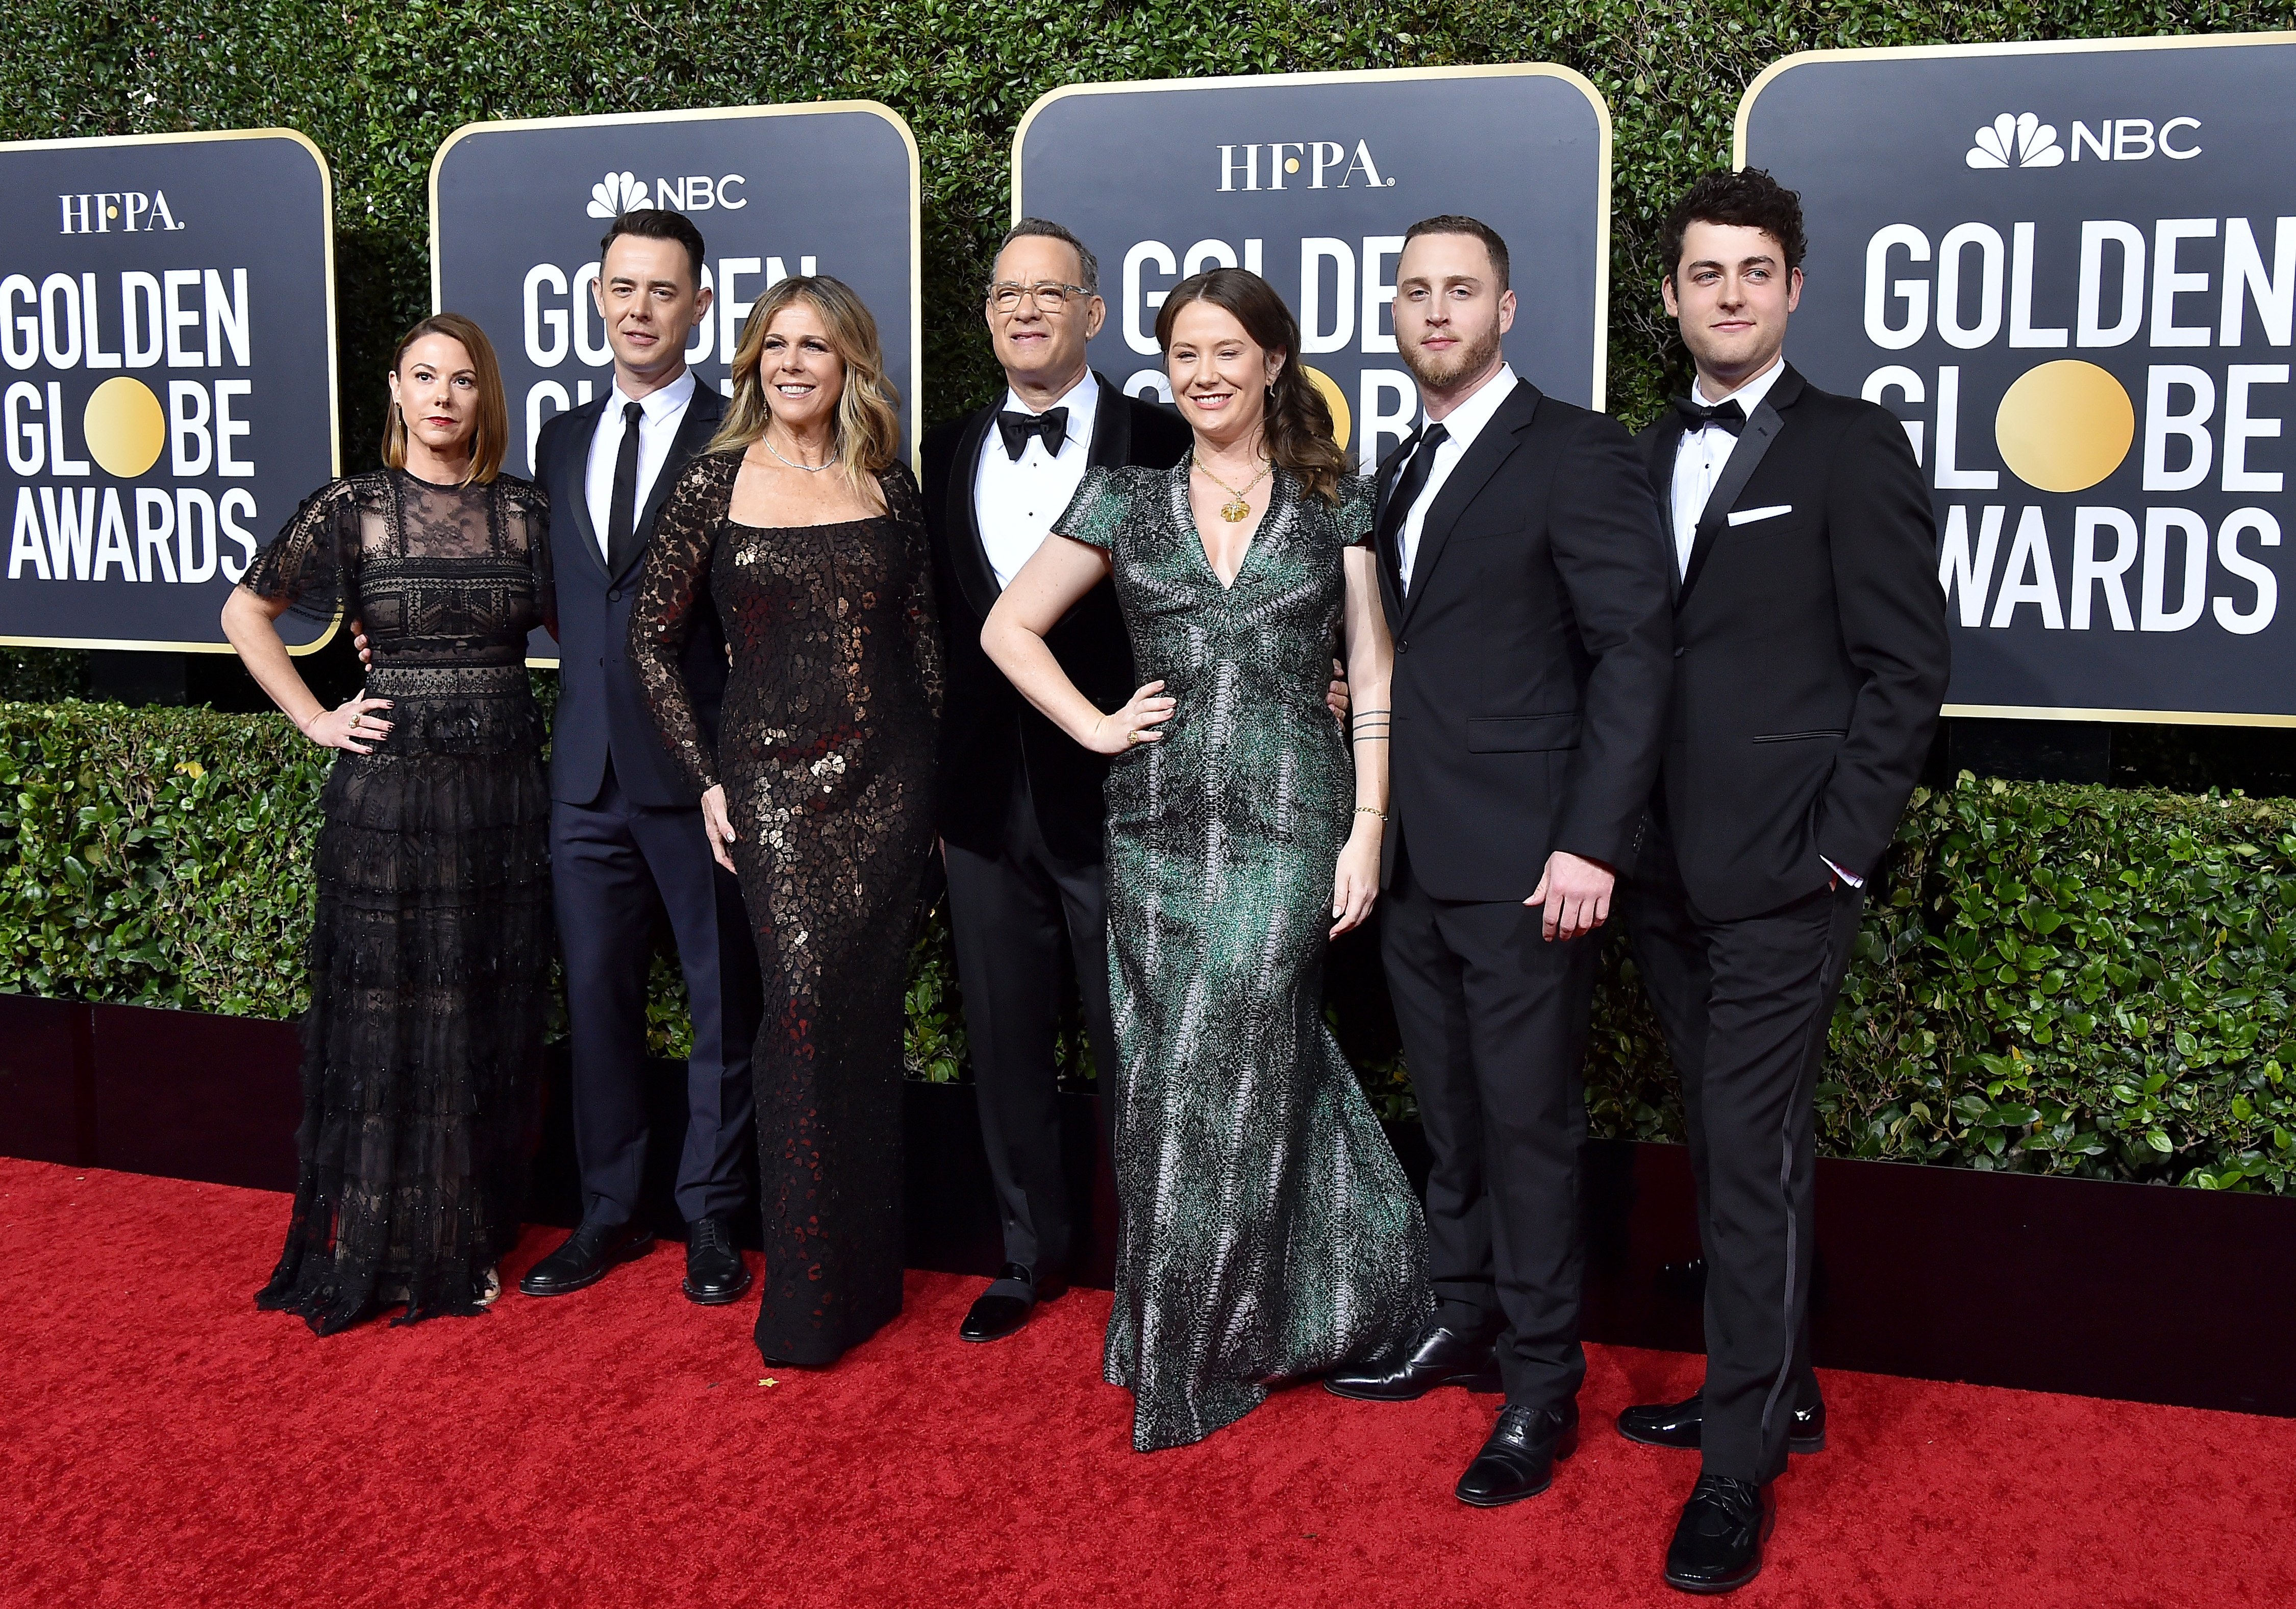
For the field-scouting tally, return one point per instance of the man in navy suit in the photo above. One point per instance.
(626, 839)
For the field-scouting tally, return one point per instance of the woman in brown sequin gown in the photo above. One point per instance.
(808, 531)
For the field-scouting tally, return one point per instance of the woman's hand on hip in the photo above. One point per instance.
(348, 723)
(719, 826)
(1136, 723)
(1354, 882)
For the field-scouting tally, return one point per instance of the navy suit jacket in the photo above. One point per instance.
(602, 711)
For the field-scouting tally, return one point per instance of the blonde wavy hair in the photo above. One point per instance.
(489, 429)
(868, 435)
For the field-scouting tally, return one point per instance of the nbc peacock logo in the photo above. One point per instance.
(2016, 140)
(617, 194)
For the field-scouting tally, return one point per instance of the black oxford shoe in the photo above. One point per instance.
(1518, 1460)
(1683, 1424)
(1718, 1544)
(1005, 1305)
(1438, 1357)
(586, 1258)
(715, 1273)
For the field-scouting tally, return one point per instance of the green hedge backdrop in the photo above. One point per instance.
(2063, 980)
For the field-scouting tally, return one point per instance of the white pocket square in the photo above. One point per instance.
(1747, 516)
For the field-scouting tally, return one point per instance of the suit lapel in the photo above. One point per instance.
(1762, 429)
(1491, 448)
(1112, 427)
(574, 472)
(694, 429)
(1658, 461)
(967, 554)
(1390, 575)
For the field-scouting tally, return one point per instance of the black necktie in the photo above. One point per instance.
(1726, 416)
(1052, 424)
(622, 509)
(1408, 485)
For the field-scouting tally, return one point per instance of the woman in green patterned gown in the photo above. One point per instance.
(1267, 1232)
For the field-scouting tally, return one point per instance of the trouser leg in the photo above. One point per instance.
(1527, 1002)
(1770, 1004)
(1426, 983)
(606, 905)
(1005, 920)
(722, 987)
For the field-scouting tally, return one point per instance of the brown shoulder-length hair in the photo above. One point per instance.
(490, 434)
(868, 436)
(1299, 425)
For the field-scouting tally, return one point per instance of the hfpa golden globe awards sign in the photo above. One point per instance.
(2071, 269)
(167, 322)
(1311, 179)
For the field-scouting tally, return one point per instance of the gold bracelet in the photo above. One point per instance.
(1371, 810)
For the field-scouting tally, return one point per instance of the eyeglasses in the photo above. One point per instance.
(1050, 296)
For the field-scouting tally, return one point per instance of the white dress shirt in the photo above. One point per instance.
(660, 413)
(1698, 461)
(1462, 425)
(1016, 500)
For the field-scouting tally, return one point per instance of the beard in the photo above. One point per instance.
(1471, 356)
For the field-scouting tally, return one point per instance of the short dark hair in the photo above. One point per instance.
(1749, 199)
(1459, 223)
(1043, 228)
(658, 223)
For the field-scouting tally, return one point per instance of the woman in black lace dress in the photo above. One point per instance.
(810, 534)
(431, 942)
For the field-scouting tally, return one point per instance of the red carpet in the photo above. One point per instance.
(163, 1443)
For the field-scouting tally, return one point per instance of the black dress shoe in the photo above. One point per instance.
(1005, 1305)
(715, 1273)
(1518, 1460)
(586, 1257)
(1683, 1424)
(1718, 1544)
(1440, 1356)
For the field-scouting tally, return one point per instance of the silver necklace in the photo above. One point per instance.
(810, 468)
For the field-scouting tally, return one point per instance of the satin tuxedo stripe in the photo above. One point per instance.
(1812, 652)
(1531, 653)
(602, 713)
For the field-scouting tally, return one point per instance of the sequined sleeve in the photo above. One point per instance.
(1098, 510)
(672, 588)
(311, 565)
(1352, 517)
(906, 504)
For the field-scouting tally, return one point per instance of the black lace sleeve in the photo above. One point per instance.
(906, 504)
(312, 564)
(672, 588)
(533, 505)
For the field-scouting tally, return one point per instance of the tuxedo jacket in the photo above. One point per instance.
(991, 736)
(1811, 649)
(1531, 655)
(601, 710)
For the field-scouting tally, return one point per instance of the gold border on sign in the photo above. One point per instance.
(699, 114)
(2040, 47)
(334, 419)
(1503, 70)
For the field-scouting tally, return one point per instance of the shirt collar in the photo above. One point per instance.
(1749, 396)
(1081, 399)
(1464, 423)
(656, 404)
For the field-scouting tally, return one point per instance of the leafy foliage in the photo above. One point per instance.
(2053, 980)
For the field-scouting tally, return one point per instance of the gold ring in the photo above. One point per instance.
(1132, 737)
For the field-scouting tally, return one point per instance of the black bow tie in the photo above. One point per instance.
(1728, 416)
(1052, 424)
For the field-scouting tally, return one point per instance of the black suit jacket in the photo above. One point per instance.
(990, 734)
(601, 710)
(1811, 654)
(1531, 655)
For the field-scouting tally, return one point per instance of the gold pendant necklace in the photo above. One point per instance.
(1237, 509)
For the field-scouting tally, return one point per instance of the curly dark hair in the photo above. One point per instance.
(1748, 199)
(1299, 430)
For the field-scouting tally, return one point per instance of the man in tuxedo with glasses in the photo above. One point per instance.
(1811, 655)
(1523, 569)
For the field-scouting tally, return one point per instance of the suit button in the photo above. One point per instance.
(1677, 654)
(602, 659)
(615, 596)
(1403, 647)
